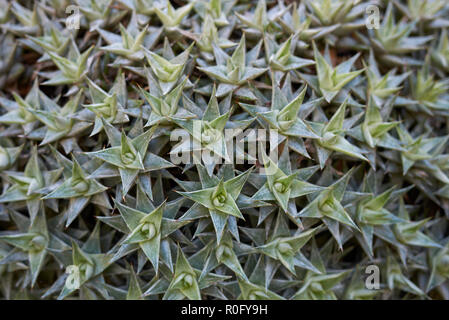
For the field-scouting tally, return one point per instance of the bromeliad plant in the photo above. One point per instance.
(131, 41)
(282, 185)
(34, 241)
(285, 117)
(29, 186)
(330, 80)
(441, 54)
(170, 17)
(341, 14)
(429, 93)
(392, 40)
(332, 137)
(79, 189)
(167, 71)
(224, 149)
(72, 70)
(209, 38)
(127, 156)
(217, 198)
(233, 71)
(106, 106)
(281, 58)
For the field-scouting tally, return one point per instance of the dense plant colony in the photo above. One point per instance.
(92, 205)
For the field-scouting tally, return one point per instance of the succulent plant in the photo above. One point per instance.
(106, 106)
(131, 43)
(281, 59)
(27, 185)
(100, 13)
(342, 14)
(71, 70)
(297, 22)
(330, 80)
(30, 20)
(233, 71)
(427, 92)
(441, 54)
(10, 67)
(171, 17)
(34, 241)
(167, 71)
(423, 10)
(224, 149)
(210, 37)
(216, 9)
(392, 39)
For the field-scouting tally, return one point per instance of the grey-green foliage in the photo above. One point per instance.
(92, 205)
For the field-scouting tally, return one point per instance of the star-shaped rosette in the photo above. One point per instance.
(59, 122)
(217, 197)
(319, 286)
(213, 255)
(261, 20)
(234, 71)
(18, 111)
(330, 81)
(187, 281)
(146, 227)
(283, 186)
(85, 267)
(100, 14)
(374, 131)
(327, 205)
(34, 241)
(145, 230)
(418, 149)
(381, 87)
(257, 286)
(392, 41)
(167, 70)
(184, 282)
(8, 156)
(128, 45)
(281, 58)
(397, 279)
(29, 186)
(332, 136)
(79, 189)
(286, 117)
(109, 106)
(72, 70)
(170, 17)
(127, 157)
(285, 248)
(164, 107)
(438, 264)
(408, 232)
(209, 37)
(372, 213)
